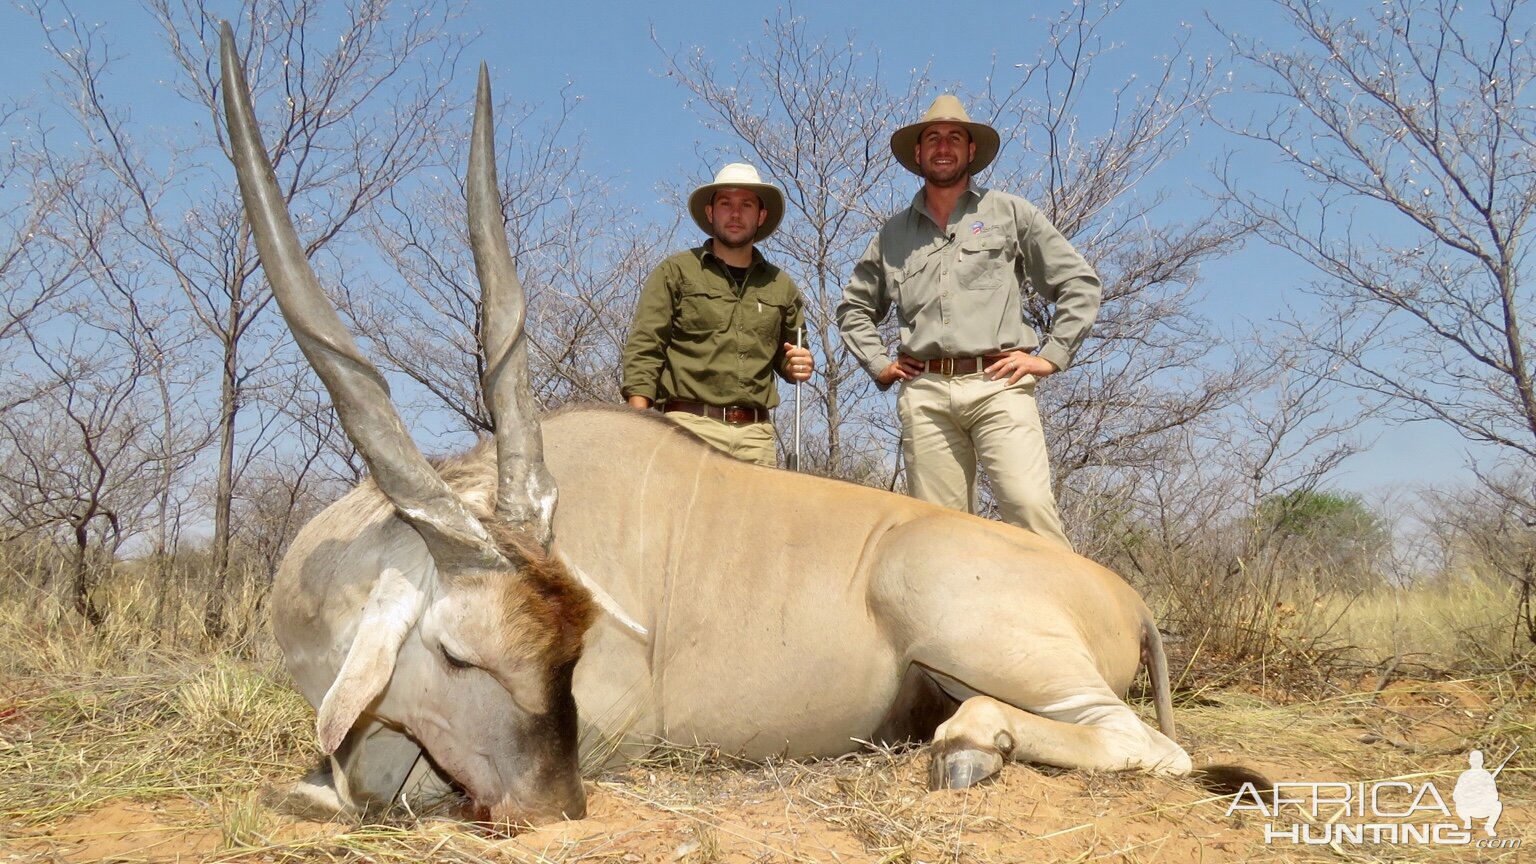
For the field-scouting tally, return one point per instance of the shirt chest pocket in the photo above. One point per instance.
(765, 318)
(982, 263)
(702, 309)
(916, 285)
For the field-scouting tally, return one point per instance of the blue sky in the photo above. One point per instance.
(638, 130)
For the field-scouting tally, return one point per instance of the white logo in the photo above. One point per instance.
(1476, 796)
(1383, 812)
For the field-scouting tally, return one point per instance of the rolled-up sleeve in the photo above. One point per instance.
(865, 304)
(789, 334)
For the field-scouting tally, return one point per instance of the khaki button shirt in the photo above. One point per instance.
(956, 288)
(693, 337)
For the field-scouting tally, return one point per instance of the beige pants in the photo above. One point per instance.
(949, 425)
(751, 442)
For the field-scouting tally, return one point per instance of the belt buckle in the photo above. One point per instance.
(947, 367)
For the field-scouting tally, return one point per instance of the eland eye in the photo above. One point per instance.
(455, 662)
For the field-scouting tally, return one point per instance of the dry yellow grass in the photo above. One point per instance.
(172, 745)
(1464, 624)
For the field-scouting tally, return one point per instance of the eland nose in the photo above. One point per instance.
(554, 808)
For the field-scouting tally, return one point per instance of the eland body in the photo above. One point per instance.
(783, 614)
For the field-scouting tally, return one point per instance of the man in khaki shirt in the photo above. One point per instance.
(953, 265)
(716, 322)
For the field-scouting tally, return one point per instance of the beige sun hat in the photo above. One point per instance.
(945, 109)
(738, 175)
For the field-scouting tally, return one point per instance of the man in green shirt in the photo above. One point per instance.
(954, 264)
(715, 323)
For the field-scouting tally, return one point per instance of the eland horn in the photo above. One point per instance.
(525, 491)
(456, 539)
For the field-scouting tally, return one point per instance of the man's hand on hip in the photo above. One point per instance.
(904, 369)
(1014, 365)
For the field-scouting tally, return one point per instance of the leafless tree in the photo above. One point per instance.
(580, 253)
(36, 280)
(1497, 526)
(96, 368)
(1484, 533)
(80, 460)
(1403, 132)
(349, 118)
(815, 114)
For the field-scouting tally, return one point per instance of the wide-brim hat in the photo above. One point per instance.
(738, 175)
(946, 109)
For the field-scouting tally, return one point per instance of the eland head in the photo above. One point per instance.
(469, 648)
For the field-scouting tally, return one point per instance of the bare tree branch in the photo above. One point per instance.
(1407, 131)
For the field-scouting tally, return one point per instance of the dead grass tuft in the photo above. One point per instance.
(91, 719)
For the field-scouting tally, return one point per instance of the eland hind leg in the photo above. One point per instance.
(1035, 642)
(1051, 707)
(1081, 722)
(1099, 736)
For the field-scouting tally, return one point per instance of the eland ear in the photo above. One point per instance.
(394, 605)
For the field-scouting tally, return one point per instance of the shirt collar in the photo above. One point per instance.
(706, 252)
(973, 192)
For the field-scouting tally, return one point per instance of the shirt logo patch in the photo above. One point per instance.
(977, 226)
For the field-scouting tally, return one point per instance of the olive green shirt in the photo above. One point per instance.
(956, 287)
(695, 337)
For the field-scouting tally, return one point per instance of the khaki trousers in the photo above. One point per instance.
(949, 425)
(751, 442)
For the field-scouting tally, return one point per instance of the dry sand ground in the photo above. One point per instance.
(874, 808)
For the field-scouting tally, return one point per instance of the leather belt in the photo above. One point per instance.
(739, 415)
(951, 366)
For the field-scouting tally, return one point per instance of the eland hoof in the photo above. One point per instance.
(962, 768)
